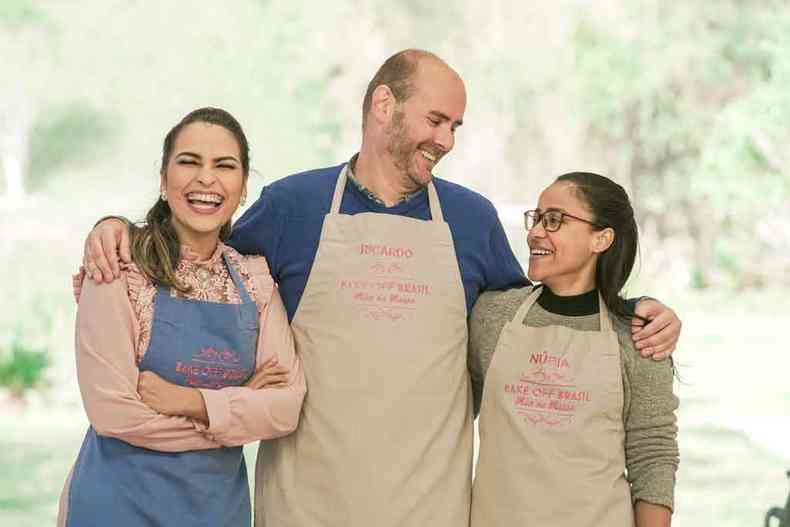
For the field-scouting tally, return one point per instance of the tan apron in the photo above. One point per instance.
(551, 429)
(385, 437)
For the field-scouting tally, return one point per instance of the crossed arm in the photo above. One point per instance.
(147, 411)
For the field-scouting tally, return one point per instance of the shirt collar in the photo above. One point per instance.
(574, 306)
(369, 193)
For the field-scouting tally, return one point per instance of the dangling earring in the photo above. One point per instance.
(163, 195)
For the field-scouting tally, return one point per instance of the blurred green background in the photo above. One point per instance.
(685, 103)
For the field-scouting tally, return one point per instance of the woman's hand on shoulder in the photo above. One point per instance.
(271, 375)
(659, 337)
(105, 247)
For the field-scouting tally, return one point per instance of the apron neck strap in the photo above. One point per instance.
(518, 318)
(237, 281)
(606, 322)
(340, 187)
(433, 202)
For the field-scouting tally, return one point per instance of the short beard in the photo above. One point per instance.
(400, 148)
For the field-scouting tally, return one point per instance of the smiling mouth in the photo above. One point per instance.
(429, 156)
(205, 201)
(537, 253)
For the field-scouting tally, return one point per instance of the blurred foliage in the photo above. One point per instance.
(22, 367)
(691, 106)
(685, 104)
(77, 133)
(18, 13)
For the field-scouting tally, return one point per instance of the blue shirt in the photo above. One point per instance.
(284, 225)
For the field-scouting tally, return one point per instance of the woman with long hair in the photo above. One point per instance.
(187, 357)
(576, 428)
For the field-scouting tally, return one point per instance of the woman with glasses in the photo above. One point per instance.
(576, 428)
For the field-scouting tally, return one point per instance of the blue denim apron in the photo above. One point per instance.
(197, 344)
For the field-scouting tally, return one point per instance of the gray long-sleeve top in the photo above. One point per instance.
(651, 448)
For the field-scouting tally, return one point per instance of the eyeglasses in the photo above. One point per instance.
(551, 219)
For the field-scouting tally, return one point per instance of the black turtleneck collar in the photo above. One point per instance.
(572, 306)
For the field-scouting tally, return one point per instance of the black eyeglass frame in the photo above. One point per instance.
(539, 217)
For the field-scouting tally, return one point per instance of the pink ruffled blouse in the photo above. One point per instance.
(113, 332)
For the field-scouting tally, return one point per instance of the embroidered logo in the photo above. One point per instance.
(546, 395)
(212, 368)
(385, 288)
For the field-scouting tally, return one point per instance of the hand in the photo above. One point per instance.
(270, 375)
(659, 337)
(102, 247)
(76, 283)
(161, 395)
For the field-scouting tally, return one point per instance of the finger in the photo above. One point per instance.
(662, 350)
(110, 252)
(270, 380)
(125, 246)
(87, 260)
(651, 328)
(270, 370)
(76, 284)
(637, 324)
(98, 265)
(278, 376)
(649, 308)
(663, 355)
(92, 272)
(664, 335)
(266, 369)
(276, 379)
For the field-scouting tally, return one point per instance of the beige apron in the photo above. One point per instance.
(551, 429)
(385, 437)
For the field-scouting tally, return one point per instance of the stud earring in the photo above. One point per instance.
(243, 200)
(163, 195)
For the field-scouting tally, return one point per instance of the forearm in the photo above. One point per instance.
(651, 515)
(121, 414)
(192, 405)
(162, 433)
(107, 373)
(240, 414)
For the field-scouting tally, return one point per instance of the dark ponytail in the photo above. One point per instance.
(611, 208)
(156, 249)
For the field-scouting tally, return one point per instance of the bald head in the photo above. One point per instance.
(399, 72)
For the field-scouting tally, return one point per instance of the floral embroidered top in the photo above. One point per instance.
(114, 324)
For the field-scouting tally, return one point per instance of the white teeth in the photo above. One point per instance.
(428, 156)
(540, 252)
(208, 198)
